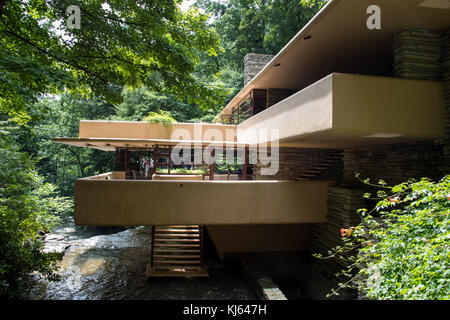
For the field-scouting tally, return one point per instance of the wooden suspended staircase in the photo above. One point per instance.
(177, 252)
(314, 171)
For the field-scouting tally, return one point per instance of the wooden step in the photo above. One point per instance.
(170, 256)
(165, 250)
(177, 235)
(176, 262)
(178, 230)
(178, 245)
(176, 252)
(176, 272)
(324, 165)
(176, 240)
(179, 268)
(322, 168)
(313, 171)
(307, 175)
(179, 226)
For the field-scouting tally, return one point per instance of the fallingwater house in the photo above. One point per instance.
(345, 95)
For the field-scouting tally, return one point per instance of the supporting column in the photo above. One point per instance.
(211, 166)
(126, 160)
(169, 159)
(244, 165)
(155, 159)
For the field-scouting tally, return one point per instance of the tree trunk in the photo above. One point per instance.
(81, 165)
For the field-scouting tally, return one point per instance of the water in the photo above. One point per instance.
(112, 266)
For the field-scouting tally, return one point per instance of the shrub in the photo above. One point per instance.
(403, 247)
(182, 170)
(163, 117)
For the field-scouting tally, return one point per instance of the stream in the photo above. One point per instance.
(110, 263)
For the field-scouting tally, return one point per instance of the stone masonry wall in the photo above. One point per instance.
(253, 63)
(293, 161)
(418, 54)
(342, 206)
(276, 95)
(394, 163)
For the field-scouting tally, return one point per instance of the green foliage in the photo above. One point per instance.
(163, 117)
(131, 60)
(403, 243)
(28, 205)
(138, 103)
(313, 3)
(222, 165)
(182, 170)
(60, 117)
(120, 42)
(258, 26)
(22, 80)
(207, 117)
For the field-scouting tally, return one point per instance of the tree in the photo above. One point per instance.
(28, 206)
(54, 117)
(138, 103)
(120, 42)
(244, 26)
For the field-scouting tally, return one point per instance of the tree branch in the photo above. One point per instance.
(77, 156)
(76, 66)
(115, 57)
(106, 17)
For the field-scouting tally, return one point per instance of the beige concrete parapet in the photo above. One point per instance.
(177, 177)
(346, 110)
(100, 202)
(155, 131)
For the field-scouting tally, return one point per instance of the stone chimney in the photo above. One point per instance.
(253, 63)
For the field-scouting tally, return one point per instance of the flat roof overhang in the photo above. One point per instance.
(110, 144)
(339, 111)
(337, 40)
(109, 135)
(344, 110)
(117, 202)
